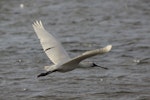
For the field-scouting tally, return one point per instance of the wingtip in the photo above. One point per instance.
(107, 48)
(38, 23)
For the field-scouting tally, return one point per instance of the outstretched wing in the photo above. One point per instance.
(51, 46)
(88, 54)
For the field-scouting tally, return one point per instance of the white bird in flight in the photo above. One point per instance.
(57, 54)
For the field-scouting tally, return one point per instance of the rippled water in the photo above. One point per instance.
(81, 25)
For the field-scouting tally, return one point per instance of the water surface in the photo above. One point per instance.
(80, 25)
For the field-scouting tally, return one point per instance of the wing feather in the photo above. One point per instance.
(89, 54)
(51, 46)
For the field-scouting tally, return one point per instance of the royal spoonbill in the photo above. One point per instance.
(57, 54)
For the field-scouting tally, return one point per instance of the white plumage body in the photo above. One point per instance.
(57, 54)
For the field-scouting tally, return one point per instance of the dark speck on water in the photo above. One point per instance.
(80, 25)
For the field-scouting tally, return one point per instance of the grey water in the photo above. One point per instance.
(80, 25)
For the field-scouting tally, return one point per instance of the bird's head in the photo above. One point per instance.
(50, 68)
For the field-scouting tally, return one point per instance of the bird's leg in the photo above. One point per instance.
(102, 67)
(95, 65)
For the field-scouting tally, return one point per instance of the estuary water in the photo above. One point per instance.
(80, 25)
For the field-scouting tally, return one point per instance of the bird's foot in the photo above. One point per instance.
(103, 67)
(95, 65)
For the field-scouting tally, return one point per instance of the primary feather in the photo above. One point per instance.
(88, 54)
(51, 46)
